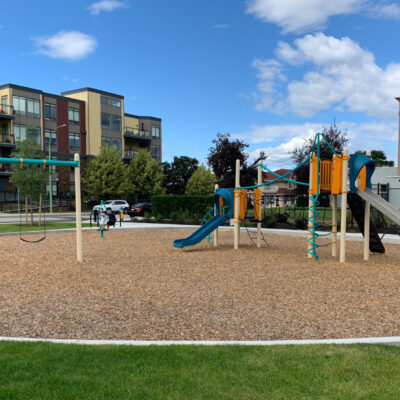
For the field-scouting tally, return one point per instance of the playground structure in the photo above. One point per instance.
(348, 176)
(78, 203)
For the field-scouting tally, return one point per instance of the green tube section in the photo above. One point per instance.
(26, 161)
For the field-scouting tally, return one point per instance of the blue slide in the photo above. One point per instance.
(202, 232)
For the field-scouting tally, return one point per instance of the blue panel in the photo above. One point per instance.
(227, 195)
(357, 162)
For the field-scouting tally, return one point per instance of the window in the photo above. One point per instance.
(110, 102)
(74, 140)
(72, 187)
(155, 151)
(4, 101)
(105, 120)
(105, 140)
(155, 131)
(53, 188)
(19, 132)
(117, 144)
(111, 122)
(50, 133)
(34, 108)
(34, 134)
(111, 142)
(49, 111)
(19, 104)
(116, 123)
(73, 115)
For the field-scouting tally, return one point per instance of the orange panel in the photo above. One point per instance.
(314, 175)
(221, 204)
(362, 179)
(257, 204)
(243, 204)
(337, 164)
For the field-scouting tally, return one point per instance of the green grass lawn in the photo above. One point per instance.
(53, 371)
(9, 228)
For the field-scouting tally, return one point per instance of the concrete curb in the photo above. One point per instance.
(391, 340)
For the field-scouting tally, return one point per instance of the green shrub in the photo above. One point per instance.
(302, 200)
(270, 222)
(300, 223)
(181, 207)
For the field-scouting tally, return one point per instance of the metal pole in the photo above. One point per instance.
(310, 212)
(216, 213)
(343, 211)
(50, 180)
(259, 182)
(334, 225)
(78, 210)
(236, 228)
(367, 221)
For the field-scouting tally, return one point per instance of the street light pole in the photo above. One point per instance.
(50, 171)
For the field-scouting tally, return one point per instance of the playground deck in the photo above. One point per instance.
(136, 285)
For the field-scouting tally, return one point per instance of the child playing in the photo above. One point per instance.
(103, 219)
(111, 219)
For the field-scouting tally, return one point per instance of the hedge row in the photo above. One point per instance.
(167, 207)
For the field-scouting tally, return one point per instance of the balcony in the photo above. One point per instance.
(5, 169)
(130, 154)
(6, 112)
(143, 136)
(7, 140)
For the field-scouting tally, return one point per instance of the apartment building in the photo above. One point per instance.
(78, 121)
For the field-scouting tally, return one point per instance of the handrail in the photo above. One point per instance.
(6, 109)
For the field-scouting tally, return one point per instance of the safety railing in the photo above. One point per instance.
(133, 132)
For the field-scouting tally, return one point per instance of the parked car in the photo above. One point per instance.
(139, 209)
(115, 205)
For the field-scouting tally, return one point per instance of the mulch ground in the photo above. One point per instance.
(136, 285)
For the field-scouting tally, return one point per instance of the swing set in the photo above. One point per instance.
(78, 203)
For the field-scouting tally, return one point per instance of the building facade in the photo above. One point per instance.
(280, 193)
(78, 121)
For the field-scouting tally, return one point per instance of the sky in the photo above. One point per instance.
(268, 72)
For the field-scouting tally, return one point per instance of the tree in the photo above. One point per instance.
(29, 179)
(106, 176)
(336, 138)
(379, 157)
(222, 159)
(144, 176)
(202, 182)
(178, 173)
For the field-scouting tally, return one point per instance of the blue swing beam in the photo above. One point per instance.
(78, 202)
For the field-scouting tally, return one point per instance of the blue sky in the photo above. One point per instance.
(269, 72)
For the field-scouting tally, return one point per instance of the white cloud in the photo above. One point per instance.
(385, 10)
(283, 139)
(67, 45)
(341, 75)
(300, 16)
(220, 26)
(105, 5)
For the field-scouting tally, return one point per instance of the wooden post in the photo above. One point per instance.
(236, 227)
(259, 182)
(334, 225)
(215, 213)
(343, 211)
(310, 212)
(367, 221)
(78, 209)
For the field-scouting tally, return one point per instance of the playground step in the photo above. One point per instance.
(356, 204)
